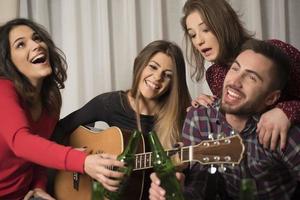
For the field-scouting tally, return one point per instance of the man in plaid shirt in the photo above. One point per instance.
(252, 85)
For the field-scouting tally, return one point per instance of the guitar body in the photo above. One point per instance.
(112, 141)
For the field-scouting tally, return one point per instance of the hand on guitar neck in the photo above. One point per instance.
(99, 167)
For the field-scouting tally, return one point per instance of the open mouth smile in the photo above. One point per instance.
(152, 85)
(39, 59)
(233, 95)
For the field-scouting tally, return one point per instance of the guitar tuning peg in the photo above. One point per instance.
(233, 132)
(212, 169)
(210, 136)
(220, 135)
(222, 169)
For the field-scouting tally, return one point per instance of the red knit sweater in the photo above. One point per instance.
(24, 147)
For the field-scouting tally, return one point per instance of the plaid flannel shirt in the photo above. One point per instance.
(275, 172)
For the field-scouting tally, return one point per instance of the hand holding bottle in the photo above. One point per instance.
(158, 193)
(98, 167)
(164, 168)
(111, 188)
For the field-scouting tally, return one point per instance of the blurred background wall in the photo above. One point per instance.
(102, 37)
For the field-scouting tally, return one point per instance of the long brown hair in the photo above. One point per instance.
(224, 23)
(50, 94)
(170, 115)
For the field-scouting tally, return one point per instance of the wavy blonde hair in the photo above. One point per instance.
(171, 108)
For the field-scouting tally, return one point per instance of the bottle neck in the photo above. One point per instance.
(154, 142)
(133, 143)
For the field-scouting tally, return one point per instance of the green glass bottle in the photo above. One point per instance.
(97, 191)
(247, 189)
(127, 156)
(164, 169)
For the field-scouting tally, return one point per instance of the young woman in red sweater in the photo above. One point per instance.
(32, 70)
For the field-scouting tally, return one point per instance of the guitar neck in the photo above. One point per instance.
(144, 161)
(227, 150)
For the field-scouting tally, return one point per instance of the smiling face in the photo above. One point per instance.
(156, 77)
(202, 37)
(247, 84)
(29, 54)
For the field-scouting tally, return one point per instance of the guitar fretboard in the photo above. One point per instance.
(144, 160)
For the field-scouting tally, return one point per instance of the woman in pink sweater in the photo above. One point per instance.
(32, 70)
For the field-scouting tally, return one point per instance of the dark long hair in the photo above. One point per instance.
(224, 23)
(50, 94)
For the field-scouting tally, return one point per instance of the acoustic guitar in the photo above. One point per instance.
(227, 150)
